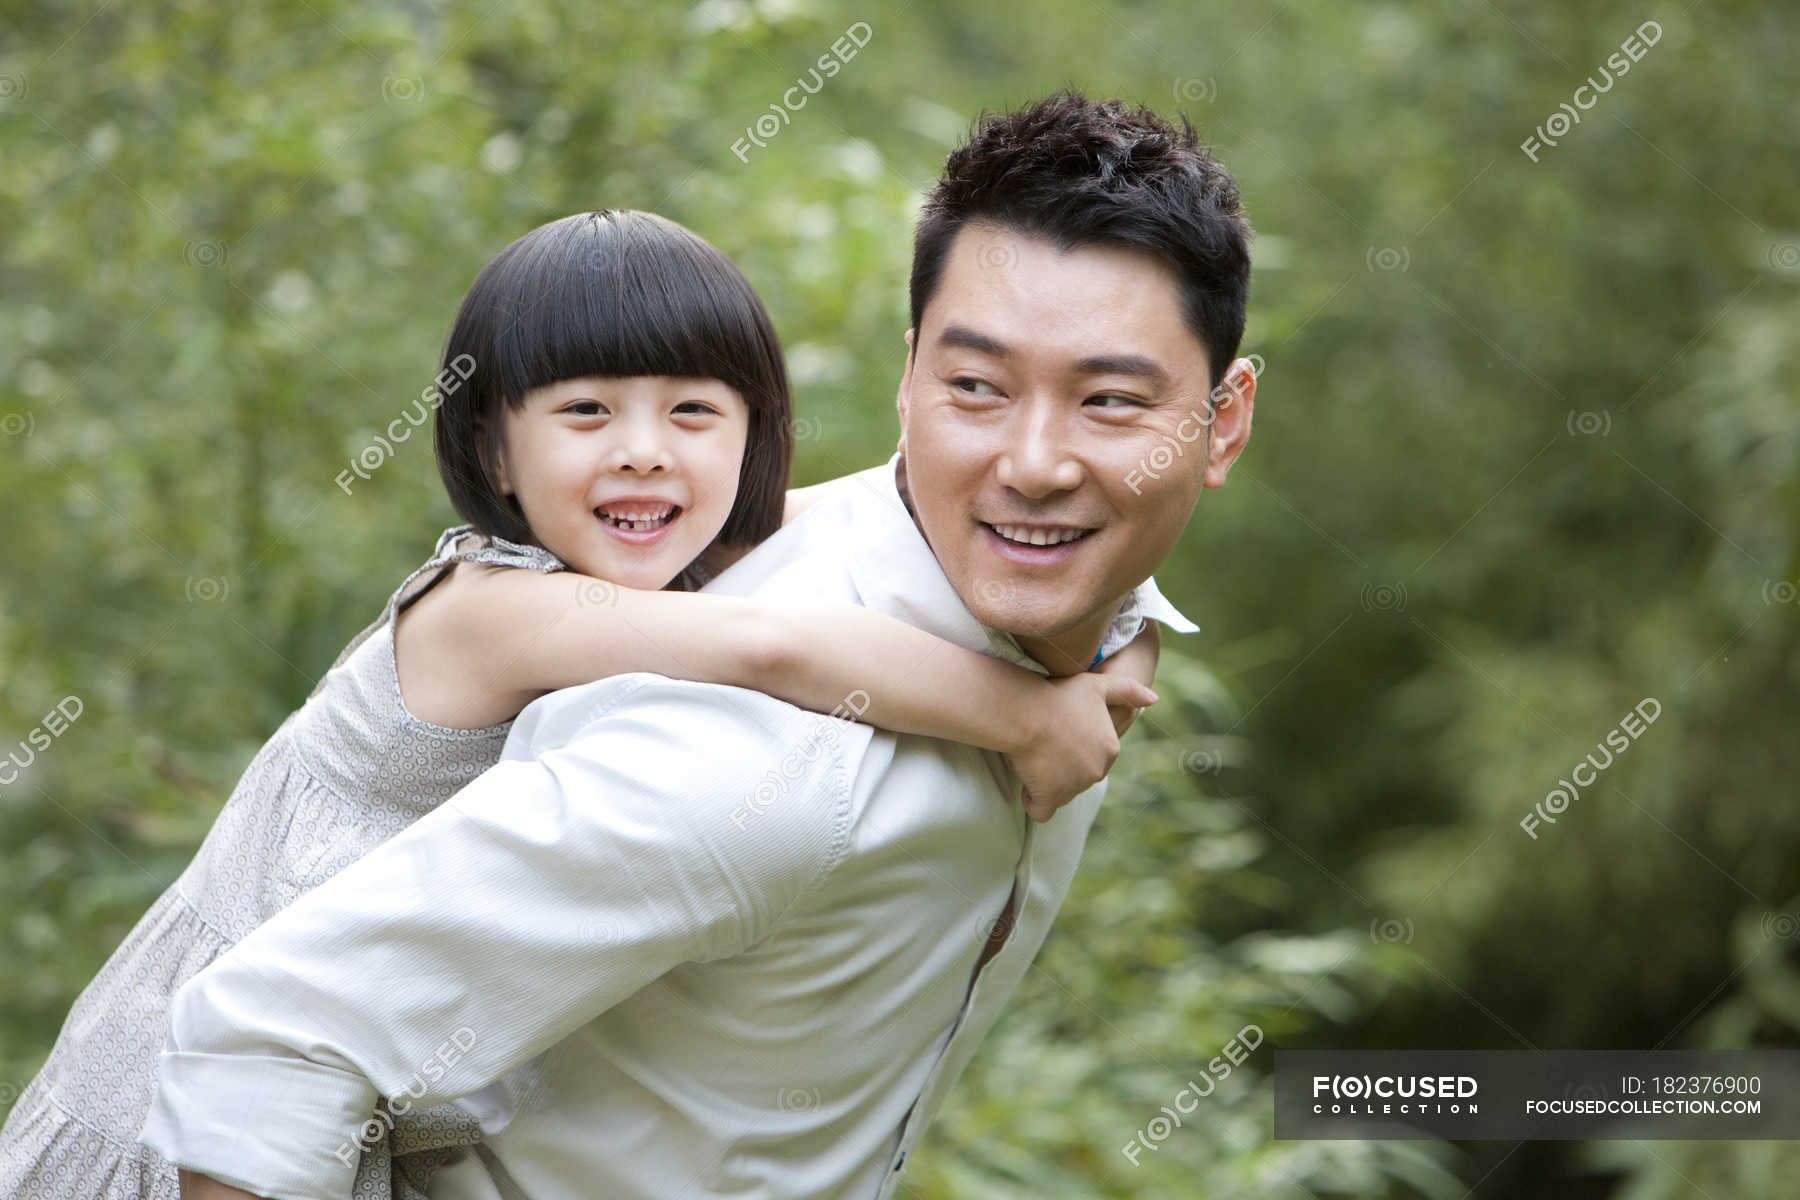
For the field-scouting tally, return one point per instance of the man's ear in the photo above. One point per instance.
(1232, 404)
(903, 394)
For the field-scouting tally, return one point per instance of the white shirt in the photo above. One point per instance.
(741, 934)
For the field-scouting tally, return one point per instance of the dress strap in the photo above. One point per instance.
(458, 544)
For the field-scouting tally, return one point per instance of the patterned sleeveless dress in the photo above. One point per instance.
(345, 772)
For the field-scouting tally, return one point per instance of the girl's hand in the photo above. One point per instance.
(1072, 740)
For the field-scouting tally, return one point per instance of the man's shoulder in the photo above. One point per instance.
(720, 753)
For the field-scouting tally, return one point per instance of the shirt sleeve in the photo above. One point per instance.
(677, 824)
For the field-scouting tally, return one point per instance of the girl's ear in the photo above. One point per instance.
(493, 458)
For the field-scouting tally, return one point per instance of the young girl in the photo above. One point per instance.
(614, 423)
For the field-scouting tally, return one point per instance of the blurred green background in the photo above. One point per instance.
(1525, 454)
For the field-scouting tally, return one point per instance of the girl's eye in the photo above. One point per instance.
(586, 408)
(700, 407)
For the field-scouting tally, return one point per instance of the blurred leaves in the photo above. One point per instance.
(1526, 453)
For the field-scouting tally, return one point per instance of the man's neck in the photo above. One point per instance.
(1068, 653)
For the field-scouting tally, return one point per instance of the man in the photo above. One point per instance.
(753, 946)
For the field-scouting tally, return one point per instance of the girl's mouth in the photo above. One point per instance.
(638, 522)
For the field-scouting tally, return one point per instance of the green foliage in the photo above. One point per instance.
(1526, 453)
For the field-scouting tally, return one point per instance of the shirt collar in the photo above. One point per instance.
(896, 573)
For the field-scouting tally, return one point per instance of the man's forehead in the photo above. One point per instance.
(1091, 308)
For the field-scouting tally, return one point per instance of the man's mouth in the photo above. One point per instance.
(1038, 535)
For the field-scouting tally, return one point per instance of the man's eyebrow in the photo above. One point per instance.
(1095, 364)
(968, 339)
(1122, 364)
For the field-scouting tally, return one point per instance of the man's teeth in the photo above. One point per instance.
(1027, 535)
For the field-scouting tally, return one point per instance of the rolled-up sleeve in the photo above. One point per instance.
(673, 822)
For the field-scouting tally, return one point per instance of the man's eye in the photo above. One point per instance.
(972, 386)
(1115, 402)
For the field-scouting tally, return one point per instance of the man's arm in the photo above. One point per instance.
(535, 899)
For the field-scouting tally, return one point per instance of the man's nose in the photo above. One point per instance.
(1039, 458)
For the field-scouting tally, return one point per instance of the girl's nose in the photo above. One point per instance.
(641, 450)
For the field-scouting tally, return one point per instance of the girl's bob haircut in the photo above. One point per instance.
(611, 294)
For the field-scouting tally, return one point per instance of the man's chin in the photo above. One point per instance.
(1023, 621)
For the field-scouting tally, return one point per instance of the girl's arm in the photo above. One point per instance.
(496, 639)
